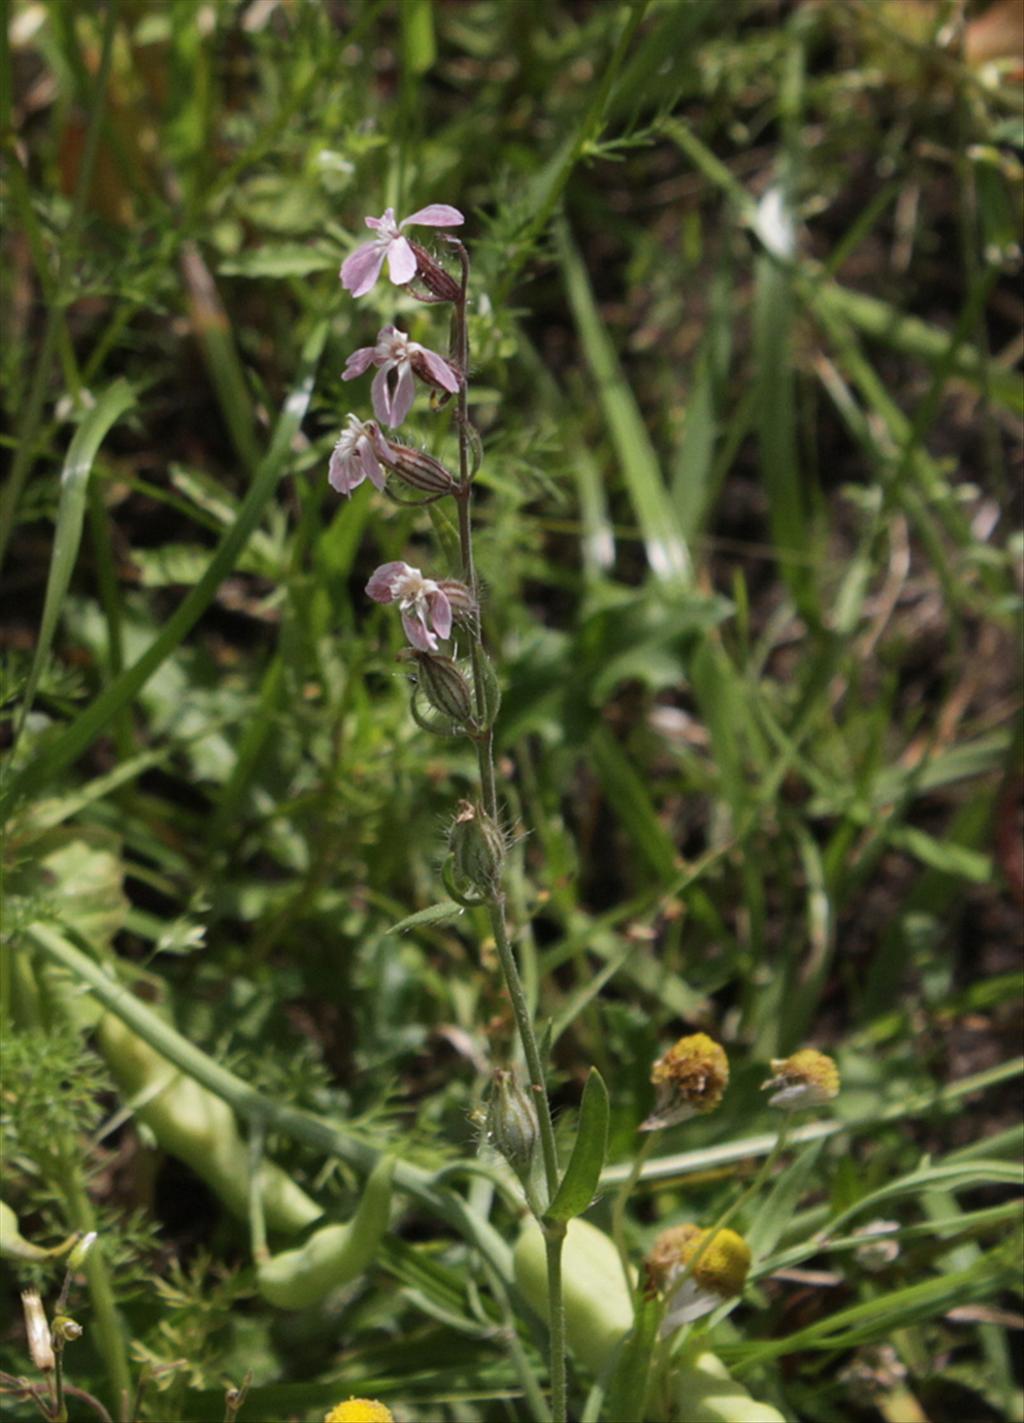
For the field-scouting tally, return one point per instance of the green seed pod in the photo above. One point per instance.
(444, 686)
(200, 1129)
(510, 1125)
(598, 1302)
(478, 849)
(333, 1255)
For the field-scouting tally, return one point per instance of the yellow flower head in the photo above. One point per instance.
(691, 1078)
(360, 1410)
(722, 1263)
(709, 1267)
(807, 1079)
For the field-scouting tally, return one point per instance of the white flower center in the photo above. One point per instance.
(396, 348)
(411, 591)
(389, 230)
(350, 438)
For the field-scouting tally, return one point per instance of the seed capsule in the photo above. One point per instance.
(444, 686)
(478, 848)
(511, 1123)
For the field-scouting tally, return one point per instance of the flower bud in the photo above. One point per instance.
(478, 849)
(433, 275)
(40, 1346)
(78, 1255)
(64, 1327)
(690, 1079)
(807, 1079)
(414, 467)
(444, 686)
(463, 604)
(511, 1125)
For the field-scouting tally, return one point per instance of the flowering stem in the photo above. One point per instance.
(554, 1233)
(622, 1200)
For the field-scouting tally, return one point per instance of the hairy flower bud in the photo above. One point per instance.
(478, 849)
(807, 1079)
(415, 468)
(690, 1079)
(433, 275)
(511, 1125)
(463, 604)
(444, 686)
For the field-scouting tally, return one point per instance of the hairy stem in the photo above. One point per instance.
(554, 1235)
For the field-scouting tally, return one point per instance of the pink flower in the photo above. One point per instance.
(398, 360)
(356, 457)
(423, 603)
(360, 270)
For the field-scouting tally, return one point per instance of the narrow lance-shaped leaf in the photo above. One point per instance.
(579, 1183)
(74, 485)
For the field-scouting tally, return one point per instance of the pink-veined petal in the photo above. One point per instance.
(439, 369)
(381, 579)
(401, 262)
(381, 395)
(358, 362)
(440, 612)
(402, 396)
(369, 462)
(361, 268)
(436, 215)
(343, 474)
(418, 633)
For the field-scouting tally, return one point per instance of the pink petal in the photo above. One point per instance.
(436, 215)
(418, 634)
(388, 220)
(358, 362)
(362, 267)
(403, 395)
(343, 474)
(381, 394)
(401, 262)
(381, 579)
(369, 462)
(440, 612)
(439, 369)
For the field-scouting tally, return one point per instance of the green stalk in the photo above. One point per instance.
(28, 429)
(252, 1105)
(554, 1232)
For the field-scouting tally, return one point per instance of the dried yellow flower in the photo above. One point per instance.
(807, 1079)
(691, 1079)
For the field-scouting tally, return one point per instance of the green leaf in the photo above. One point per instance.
(627, 1391)
(579, 1183)
(74, 486)
(433, 914)
(96, 717)
(777, 1211)
(284, 259)
(664, 542)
